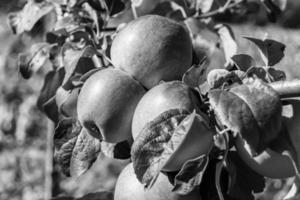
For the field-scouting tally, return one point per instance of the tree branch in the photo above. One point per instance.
(287, 89)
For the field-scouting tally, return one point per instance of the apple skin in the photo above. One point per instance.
(163, 97)
(106, 104)
(152, 48)
(174, 95)
(129, 188)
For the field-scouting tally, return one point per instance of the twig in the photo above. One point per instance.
(287, 89)
(220, 10)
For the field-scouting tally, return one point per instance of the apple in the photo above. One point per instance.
(175, 95)
(106, 104)
(129, 188)
(152, 48)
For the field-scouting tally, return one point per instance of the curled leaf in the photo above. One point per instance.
(33, 60)
(154, 146)
(84, 153)
(192, 76)
(252, 110)
(76, 150)
(164, 139)
(77, 61)
(65, 130)
(271, 51)
(32, 12)
(190, 175)
(276, 75)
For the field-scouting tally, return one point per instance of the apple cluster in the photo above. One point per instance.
(149, 56)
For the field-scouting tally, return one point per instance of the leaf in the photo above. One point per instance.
(76, 150)
(274, 8)
(77, 61)
(252, 110)
(33, 60)
(204, 5)
(85, 76)
(243, 61)
(204, 88)
(276, 75)
(65, 130)
(50, 109)
(67, 101)
(156, 143)
(52, 81)
(243, 181)
(120, 150)
(267, 74)
(271, 51)
(32, 12)
(190, 175)
(265, 105)
(115, 6)
(228, 41)
(234, 113)
(84, 154)
(96, 4)
(192, 76)
(177, 10)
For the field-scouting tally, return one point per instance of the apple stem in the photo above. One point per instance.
(287, 89)
(219, 166)
(134, 11)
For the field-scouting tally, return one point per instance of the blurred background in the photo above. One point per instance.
(24, 147)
